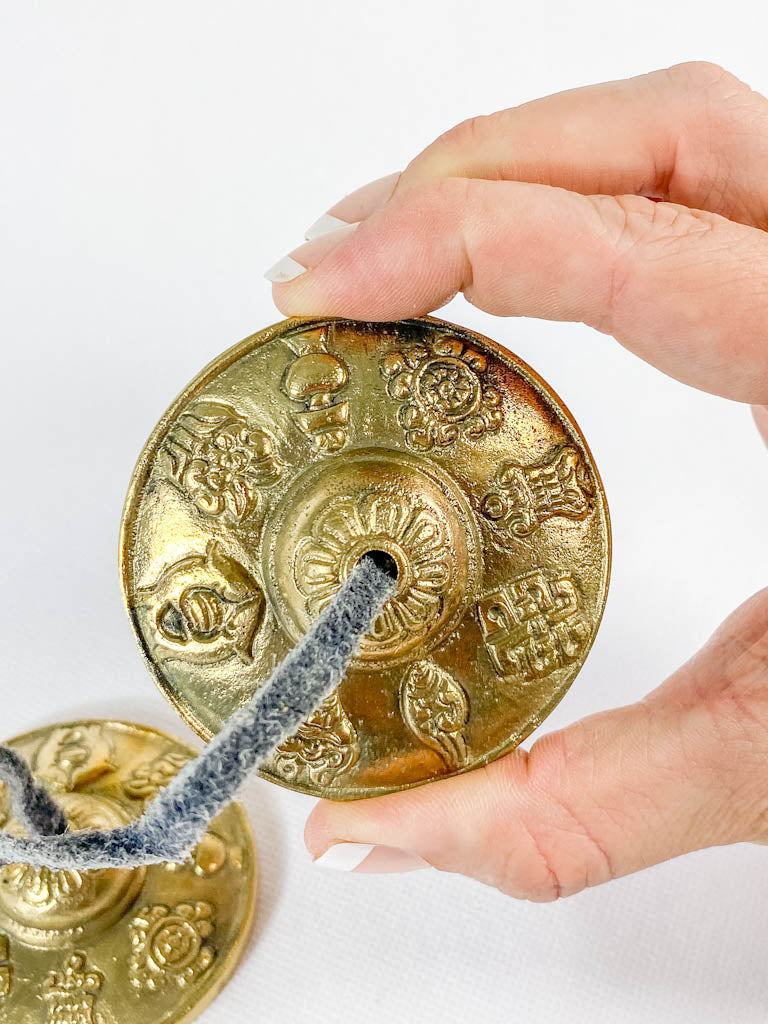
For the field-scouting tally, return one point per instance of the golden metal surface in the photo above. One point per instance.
(152, 944)
(314, 441)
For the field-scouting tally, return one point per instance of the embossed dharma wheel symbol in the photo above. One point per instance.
(176, 944)
(315, 441)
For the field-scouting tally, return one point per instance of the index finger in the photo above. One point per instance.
(684, 289)
(692, 134)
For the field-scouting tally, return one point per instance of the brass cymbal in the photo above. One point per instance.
(316, 440)
(151, 944)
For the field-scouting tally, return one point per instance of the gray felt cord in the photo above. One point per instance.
(34, 807)
(177, 818)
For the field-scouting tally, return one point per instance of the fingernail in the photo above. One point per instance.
(323, 225)
(366, 858)
(284, 270)
(308, 255)
(354, 207)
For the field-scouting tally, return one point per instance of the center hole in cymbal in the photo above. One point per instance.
(383, 561)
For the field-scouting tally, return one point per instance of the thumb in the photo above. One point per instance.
(683, 769)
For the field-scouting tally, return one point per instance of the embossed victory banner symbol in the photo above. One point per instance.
(523, 497)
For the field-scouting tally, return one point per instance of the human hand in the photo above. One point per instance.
(640, 208)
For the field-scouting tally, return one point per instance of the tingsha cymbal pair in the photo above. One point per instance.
(279, 467)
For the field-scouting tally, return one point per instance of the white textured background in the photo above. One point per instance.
(155, 157)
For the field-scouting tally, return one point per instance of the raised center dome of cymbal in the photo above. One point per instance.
(373, 499)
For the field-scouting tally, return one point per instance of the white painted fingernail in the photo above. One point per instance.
(344, 856)
(284, 270)
(323, 225)
(366, 858)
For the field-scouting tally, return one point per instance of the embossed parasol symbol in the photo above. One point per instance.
(315, 441)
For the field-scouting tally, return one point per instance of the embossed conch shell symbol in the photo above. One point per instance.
(523, 497)
(444, 391)
(436, 710)
(207, 607)
(221, 461)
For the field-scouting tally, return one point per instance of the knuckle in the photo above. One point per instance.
(443, 199)
(748, 812)
(463, 138)
(532, 877)
(550, 853)
(730, 684)
(466, 133)
(737, 675)
(724, 117)
(457, 151)
(639, 231)
(704, 74)
(720, 97)
(512, 850)
(631, 220)
(544, 862)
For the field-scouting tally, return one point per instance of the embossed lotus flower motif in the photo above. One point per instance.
(445, 395)
(43, 888)
(221, 461)
(410, 531)
(168, 945)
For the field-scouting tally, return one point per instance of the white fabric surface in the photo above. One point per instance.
(157, 156)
